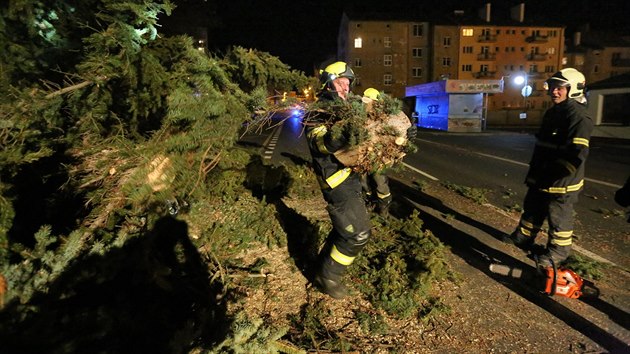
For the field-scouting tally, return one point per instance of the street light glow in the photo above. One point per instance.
(519, 80)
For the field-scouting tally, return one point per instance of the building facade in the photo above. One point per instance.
(393, 54)
(388, 55)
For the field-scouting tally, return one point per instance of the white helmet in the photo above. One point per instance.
(570, 78)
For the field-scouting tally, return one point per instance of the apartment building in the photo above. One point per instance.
(387, 53)
(461, 46)
(599, 55)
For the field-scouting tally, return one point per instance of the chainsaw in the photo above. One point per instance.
(552, 280)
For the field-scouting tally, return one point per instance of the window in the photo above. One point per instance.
(357, 62)
(498, 31)
(387, 42)
(446, 61)
(483, 67)
(467, 49)
(551, 50)
(467, 67)
(387, 60)
(533, 68)
(417, 30)
(446, 41)
(387, 79)
(550, 69)
(416, 72)
(485, 50)
(596, 68)
(416, 52)
(467, 32)
(358, 43)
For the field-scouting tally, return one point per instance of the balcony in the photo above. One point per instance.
(536, 57)
(484, 74)
(486, 56)
(621, 62)
(487, 38)
(536, 38)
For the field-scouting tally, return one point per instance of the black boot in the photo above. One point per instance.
(382, 205)
(555, 254)
(328, 279)
(519, 240)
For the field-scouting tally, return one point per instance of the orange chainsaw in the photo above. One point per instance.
(552, 280)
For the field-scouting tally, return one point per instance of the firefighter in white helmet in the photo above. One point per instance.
(556, 170)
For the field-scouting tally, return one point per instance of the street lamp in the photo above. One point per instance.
(526, 91)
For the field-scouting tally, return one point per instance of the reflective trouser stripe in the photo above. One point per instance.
(580, 141)
(338, 177)
(562, 238)
(383, 196)
(527, 228)
(562, 190)
(340, 257)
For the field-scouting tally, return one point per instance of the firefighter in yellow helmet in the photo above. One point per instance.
(376, 184)
(556, 170)
(341, 188)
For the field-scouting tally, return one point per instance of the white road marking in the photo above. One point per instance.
(420, 172)
(271, 142)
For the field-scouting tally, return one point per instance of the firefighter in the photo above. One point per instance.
(341, 188)
(376, 181)
(556, 170)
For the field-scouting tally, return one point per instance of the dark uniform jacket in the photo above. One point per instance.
(323, 145)
(562, 145)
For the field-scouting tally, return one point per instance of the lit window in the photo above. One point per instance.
(416, 72)
(358, 43)
(387, 60)
(387, 79)
(551, 50)
(467, 32)
(387, 42)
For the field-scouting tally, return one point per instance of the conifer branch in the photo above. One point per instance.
(72, 88)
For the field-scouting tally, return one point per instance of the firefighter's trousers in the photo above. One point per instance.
(557, 209)
(351, 225)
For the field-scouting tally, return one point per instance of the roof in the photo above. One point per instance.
(619, 81)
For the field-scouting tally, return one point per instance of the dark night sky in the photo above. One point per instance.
(303, 33)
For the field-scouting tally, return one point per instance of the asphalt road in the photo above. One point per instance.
(496, 163)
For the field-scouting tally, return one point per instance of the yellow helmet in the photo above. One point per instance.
(335, 70)
(371, 93)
